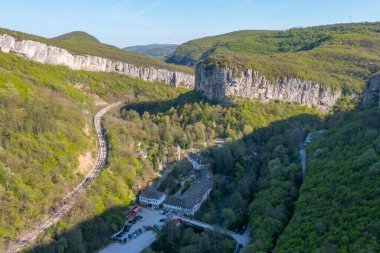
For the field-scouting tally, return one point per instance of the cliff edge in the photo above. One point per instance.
(220, 83)
(372, 90)
(42, 53)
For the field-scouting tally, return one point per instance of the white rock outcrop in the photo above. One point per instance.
(222, 83)
(43, 53)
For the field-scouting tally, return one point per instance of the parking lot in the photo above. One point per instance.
(142, 241)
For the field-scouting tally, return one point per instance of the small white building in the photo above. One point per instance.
(191, 200)
(152, 198)
(197, 161)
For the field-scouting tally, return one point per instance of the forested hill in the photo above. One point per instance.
(47, 143)
(160, 51)
(47, 146)
(341, 55)
(338, 208)
(83, 43)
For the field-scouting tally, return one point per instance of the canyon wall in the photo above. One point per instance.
(372, 90)
(43, 53)
(221, 83)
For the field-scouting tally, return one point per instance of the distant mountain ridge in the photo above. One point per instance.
(160, 51)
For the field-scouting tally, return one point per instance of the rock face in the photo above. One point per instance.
(372, 90)
(221, 83)
(43, 53)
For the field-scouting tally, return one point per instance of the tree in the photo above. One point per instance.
(237, 203)
(229, 217)
(74, 239)
(61, 245)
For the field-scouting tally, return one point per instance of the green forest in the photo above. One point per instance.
(46, 132)
(45, 125)
(188, 240)
(338, 206)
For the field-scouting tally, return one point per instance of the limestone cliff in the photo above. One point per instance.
(221, 83)
(43, 53)
(372, 90)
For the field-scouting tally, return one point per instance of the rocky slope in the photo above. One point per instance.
(43, 53)
(221, 83)
(372, 90)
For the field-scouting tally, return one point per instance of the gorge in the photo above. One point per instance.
(217, 83)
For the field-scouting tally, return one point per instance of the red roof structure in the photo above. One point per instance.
(176, 222)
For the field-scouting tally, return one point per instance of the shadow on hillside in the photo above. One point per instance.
(258, 146)
(164, 105)
(87, 236)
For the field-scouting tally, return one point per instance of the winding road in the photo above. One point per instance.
(62, 207)
(239, 238)
(303, 159)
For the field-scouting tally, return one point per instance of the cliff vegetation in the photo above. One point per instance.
(341, 56)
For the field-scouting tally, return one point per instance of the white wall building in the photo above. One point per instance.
(190, 201)
(152, 198)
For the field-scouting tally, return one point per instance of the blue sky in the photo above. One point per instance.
(132, 22)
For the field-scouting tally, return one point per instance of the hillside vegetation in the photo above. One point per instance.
(45, 126)
(42, 126)
(83, 43)
(339, 205)
(160, 51)
(342, 56)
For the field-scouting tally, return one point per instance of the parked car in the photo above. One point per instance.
(125, 240)
(156, 226)
(126, 228)
(140, 231)
(162, 220)
(130, 236)
(139, 217)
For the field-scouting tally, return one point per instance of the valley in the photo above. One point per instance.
(87, 129)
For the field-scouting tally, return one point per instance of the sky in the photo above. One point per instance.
(135, 22)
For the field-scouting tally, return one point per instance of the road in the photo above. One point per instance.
(303, 158)
(62, 207)
(239, 238)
